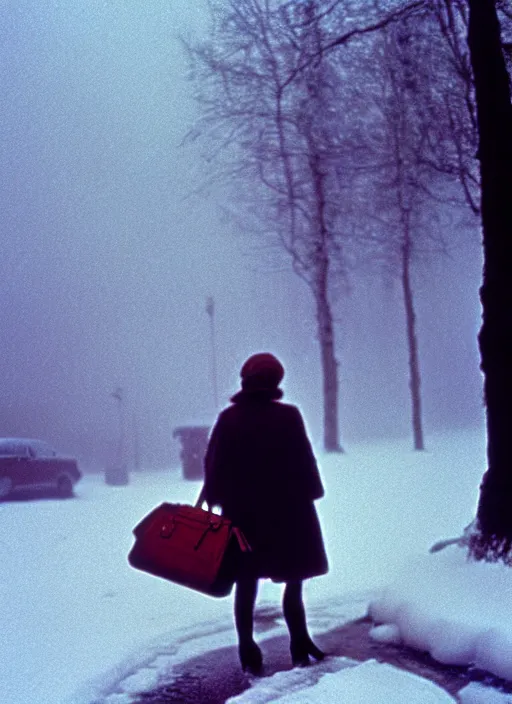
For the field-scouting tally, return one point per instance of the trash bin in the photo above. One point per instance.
(117, 475)
(194, 440)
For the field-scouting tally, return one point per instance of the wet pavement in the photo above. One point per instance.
(214, 677)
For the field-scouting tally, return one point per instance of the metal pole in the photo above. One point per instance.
(118, 395)
(136, 441)
(210, 309)
(117, 474)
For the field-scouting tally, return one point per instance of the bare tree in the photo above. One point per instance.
(275, 109)
(311, 185)
(413, 154)
(399, 181)
(283, 142)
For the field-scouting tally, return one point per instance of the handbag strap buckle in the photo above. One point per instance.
(167, 528)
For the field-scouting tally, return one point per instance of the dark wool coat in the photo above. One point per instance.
(260, 469)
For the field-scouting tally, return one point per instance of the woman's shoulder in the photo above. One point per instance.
(270, 408)
(226, 414)
(287, 413)
(288, 408)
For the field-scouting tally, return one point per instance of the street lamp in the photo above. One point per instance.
(118, 395)
(117, 473)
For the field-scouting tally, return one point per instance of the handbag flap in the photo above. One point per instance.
(156, 513)
(185, 512)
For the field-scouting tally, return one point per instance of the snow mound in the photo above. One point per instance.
(453, 609)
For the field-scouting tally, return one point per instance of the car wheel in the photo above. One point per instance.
(64, 486)
(5, 487)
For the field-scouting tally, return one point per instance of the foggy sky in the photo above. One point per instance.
(107, 260)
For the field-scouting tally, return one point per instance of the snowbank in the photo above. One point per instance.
(458, 611)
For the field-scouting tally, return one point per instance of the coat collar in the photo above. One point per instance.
(257, 395)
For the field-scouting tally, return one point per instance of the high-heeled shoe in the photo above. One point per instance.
(251, 658)
(300, 651)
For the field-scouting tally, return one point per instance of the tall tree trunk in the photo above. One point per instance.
(329, 368)
(323, 308)
(412, 344)
(493, 539)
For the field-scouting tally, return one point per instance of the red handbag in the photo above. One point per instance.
(189, 546)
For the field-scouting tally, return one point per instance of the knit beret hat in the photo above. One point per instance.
(261, 371)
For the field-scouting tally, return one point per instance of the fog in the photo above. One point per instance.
(108, 258)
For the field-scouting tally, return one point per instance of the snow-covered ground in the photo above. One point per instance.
(76, 618)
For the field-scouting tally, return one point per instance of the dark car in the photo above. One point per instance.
(33, 464)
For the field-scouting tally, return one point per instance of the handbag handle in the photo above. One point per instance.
(201, 499)
(242, 540)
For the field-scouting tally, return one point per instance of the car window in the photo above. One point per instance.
(27, 448)
(13, 449)
(41, 449)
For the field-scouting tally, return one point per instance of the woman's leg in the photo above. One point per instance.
(293, 610)
(301, 645)
(245, 598)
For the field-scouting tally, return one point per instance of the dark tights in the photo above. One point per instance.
(245, 598)
(293, 609)
(294, 612)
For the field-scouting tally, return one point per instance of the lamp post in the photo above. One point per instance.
(117, 473)
(136, 441)
(118, 395)
(210, 309)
